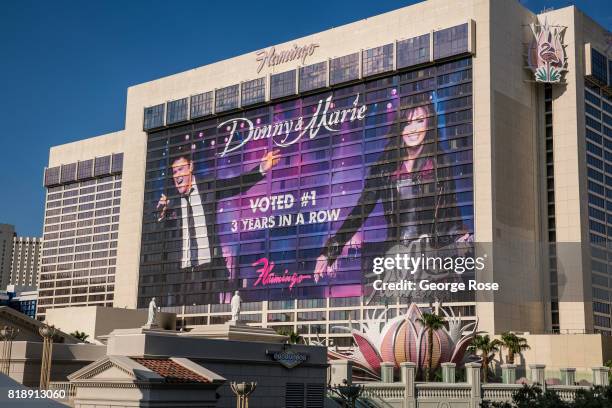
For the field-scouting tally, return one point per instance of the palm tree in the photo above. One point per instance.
(432, 322)
(294, 338)
(487, 350)
(609, 365)
(80, 335)
(514, 344)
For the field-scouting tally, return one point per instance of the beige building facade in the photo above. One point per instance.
(20, 258)
(512, 180)
(7, 236)
(26, 261)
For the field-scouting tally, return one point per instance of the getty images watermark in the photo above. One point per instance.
(429, 273)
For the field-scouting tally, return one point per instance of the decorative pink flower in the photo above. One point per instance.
(404, 339)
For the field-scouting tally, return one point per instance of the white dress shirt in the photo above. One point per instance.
(201, 254)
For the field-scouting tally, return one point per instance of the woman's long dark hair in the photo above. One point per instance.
(395, 151)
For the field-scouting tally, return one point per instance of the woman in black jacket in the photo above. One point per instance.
(403, 179)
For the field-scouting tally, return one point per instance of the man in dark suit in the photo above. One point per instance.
(194, 211)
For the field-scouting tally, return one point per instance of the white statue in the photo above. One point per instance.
(152, 318)
(236, 300)
(436, 306)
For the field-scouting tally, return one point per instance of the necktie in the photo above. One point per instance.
(193, 243)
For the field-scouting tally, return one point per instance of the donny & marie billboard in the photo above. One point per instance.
(296, 199)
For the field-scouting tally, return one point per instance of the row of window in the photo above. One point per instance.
(446, 43)
(312, 237)
(69, 273)
(345, 96)
(61, 300)
(80, 256)
(599, 172)
(464, 310)
(65, 237)
(82, 170)
(385, 128)
(95, 266)
(94, 288)
(335, 327)
(601, 69)
(82, 188)
(102, 218)
(86, 198)
(381, 123)
(599, 137)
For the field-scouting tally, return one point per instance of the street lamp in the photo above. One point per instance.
(242, 391)
(349, 393)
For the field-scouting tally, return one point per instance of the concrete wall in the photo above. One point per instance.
(66, 358)
(99, 321)
(234, 360)
(571, 195)
(131, 397)
(579, 351)
(505, 168)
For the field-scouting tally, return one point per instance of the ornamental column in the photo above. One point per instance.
(47, 333)
(472, 371)
(408, 375)
(7, 334)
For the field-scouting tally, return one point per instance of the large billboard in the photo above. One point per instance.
(297, 199)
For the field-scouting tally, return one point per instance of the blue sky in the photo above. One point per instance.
(66, 65)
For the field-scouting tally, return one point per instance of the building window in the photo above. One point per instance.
(219, 319)
(344, 69)
(413, 51)
(599, 67)
(281, 304)
(154, 117)
(313, 76)
(117, 166)
(226, 98)
(451, 41)
(201, 105)
(344, 315)
(282, 84)
(68, 173)
(345, 302)
(102, 165)
(280, 317)
(177, 111)
(52, 176)
(311, 303)
(253, 92)
(592, 111)
(85, 169)
(311, 316)
(377, 60)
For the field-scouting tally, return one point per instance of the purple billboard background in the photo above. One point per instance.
(332, 171)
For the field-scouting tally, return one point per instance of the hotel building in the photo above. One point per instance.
(20, 258)
(519, 162)
(7, 237)
(26, 261)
